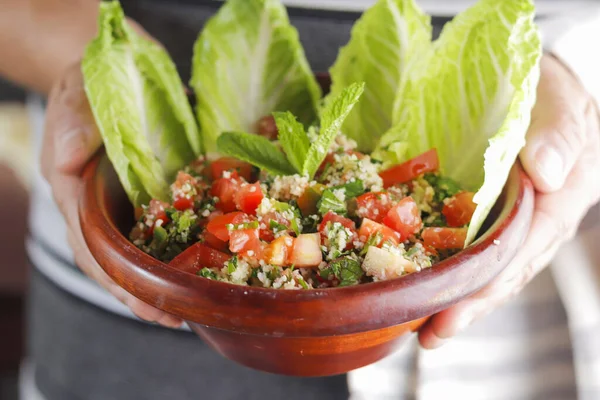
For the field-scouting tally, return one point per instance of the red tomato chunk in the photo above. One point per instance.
(245, 242)
(229, 164)
(369, 228)
(374, 205)
(459, 209)
(404, 218)
(218, 225)
(248, 198)
(411, 169)
(197, 257)
(444, 238)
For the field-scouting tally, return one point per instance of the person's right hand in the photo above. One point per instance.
(70, 139)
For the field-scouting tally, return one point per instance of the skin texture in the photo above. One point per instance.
(562, 158)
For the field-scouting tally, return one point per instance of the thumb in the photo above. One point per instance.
(557, 134)
(70, 124)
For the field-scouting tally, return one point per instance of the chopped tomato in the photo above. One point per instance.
(267, 127)
(214, 242)
(224, 164)
(306, 251)
(332, 217)
(182, 203)
(266, 233)
(199, 256)
(218, 225)
(459, 209)
(156, 209)
(278, 251)
(444, 238)
(184, 191)
(374, 205)
(404, 218)
(429, 250)
(369, 228)
(411, 169)
(248, 198)
(245, 242)
(155, 212)
(225, 189)
(307, 203)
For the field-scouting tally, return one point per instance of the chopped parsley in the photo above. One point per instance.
(347, 270)
(207, 273)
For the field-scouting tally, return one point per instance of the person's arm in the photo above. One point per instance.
(39, 39)
(41, 45)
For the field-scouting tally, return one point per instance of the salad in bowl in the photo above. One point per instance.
(271, 185)
(366, 194)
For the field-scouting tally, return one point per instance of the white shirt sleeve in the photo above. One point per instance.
(577, 44)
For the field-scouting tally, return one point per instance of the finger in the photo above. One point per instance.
(557, 133)
(555, 220)
(70, 126)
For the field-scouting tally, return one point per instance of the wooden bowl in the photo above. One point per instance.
(301, 333)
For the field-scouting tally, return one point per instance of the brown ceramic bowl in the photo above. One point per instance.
(302, 333)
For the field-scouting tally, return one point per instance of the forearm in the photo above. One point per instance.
(40, 38)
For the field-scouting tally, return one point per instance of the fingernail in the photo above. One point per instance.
(464, 322)
(437, 343)
(68, 145)
(550, 166)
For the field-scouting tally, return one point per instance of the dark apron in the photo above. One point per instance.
(82, 352)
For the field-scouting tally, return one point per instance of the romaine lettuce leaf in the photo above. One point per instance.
(471, 99)
(385, 40)
(248, 62)
(139, 106)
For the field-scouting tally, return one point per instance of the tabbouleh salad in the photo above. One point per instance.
(268, 181)
(352, 223)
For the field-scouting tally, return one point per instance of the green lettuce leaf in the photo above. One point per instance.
(471, 99)
(332, 117)
(385, 40)
(139, 106)
(248, 62)
(256, 150)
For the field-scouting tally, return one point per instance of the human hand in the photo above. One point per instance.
(562, 158)
(70, 140)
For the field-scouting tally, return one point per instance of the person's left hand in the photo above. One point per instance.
(562, 158)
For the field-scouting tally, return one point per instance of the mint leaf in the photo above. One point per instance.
(352, 189)
(255, 150)
(332, 117)
(347, 270)
(293, 138)
(330, 202)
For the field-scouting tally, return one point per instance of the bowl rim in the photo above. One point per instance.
(107, 239)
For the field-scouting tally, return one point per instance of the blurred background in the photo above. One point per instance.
(15, 168)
